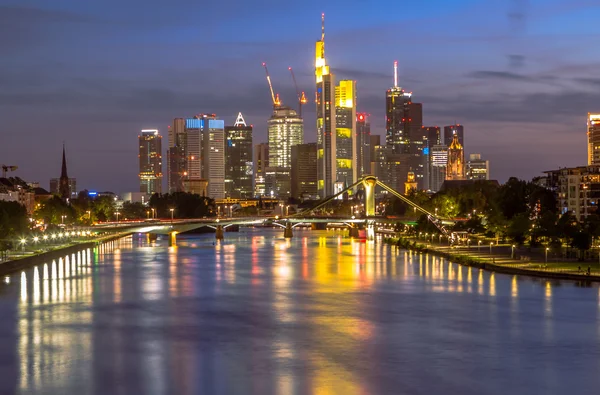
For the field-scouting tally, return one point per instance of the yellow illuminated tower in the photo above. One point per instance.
(326, 131)
(593, 134)
(345, 127)
(455, 170)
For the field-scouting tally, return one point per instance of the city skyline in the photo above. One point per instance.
(527, 109)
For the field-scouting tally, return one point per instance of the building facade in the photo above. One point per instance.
(345, 128)
(577, 189)
(326, 118)
(286, 129)
(261, 162)
(438, 160)
(593, 135)
(304, 171)
(150, 161)
(238, 160)
(176, 156)
(362, 155)
(455, 168)
(477, 168)
(213, 163)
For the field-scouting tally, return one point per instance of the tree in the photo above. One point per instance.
(103, 208)
(582, 240)
(186, 205)
(513, 197)
(133, 210)
(55, 211)
(519, 228)
(13, 221)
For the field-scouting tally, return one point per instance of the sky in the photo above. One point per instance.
(520, 75)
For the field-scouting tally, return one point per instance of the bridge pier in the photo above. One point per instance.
(172, 239)
(219, 232)
(371, 232)
(288, 232)
(151, 237)
(370, 183)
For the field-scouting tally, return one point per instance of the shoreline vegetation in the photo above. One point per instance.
(566, 271)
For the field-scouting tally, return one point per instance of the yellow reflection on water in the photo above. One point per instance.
(480, 282)
(492, 284)
(514, 287)
(548, 299)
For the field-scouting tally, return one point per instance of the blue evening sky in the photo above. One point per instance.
(93, 73)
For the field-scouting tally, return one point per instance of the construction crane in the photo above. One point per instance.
(7, 168)
(274, 97)
(301, 97)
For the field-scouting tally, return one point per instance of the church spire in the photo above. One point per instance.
(63, 183)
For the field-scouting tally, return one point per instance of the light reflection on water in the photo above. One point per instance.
(320, 314)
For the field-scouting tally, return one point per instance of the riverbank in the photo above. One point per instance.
(469, 257)
(23, 262)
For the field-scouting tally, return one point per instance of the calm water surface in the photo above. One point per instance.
(319, 314)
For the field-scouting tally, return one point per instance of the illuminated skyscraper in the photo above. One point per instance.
(286, 129)
(404, 134)
(176, 156)
(451, 130)
(593, 134)
(455, 169)
(238, 159)
(326, 118)
(438, 162)
(345, 127)
(150, 157)
(213, 160)
(362, 154)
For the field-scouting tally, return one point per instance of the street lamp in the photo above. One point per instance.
(546, 255)
(436, 209)
(512, 252)
(117, 214)
(478, 246)
(287, 210)
(153, 216)
(23, 241)
(171, 210)
(491, 244)
(62, 219)
(147, 214)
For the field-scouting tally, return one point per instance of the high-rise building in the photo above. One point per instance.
(197, 156)
(374, 141)
(434, 135)
(404, 121)
(437, 166)
(455, 169)
(150, 161)
(477, 168)
(261, 162)
(213, 161)
(345, 128)
(304, 171)
(326, 119)
(54, 187)
(238, 160)
(451, 130)
(362, 154)
(176, 156)
(593, 134)
(391, 168)
(286, 129)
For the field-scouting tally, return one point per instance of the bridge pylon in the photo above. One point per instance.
(288, 233)
(219, 235)
(369, 182)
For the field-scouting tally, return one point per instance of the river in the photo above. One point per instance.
(318, 314)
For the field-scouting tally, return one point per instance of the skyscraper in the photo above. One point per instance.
(286, 129)
(345, 127)
(213, 161)
(362, 154)
(593, 134)
(438, 162)
(238, 160)
(261, 162)
(150, 161)
(374, 141)
(304, 171)
(434, 135)
(455, 169)
(451, 130)
(477, 168)
(176, 156)
(404, 133)
(326, 118)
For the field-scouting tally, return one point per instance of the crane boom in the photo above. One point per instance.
(276, 101)
(6, 168)
(301, 97)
